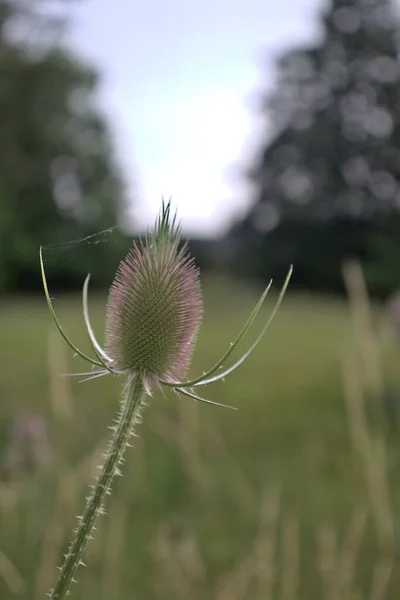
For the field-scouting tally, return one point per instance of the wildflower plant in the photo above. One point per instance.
(153, 315)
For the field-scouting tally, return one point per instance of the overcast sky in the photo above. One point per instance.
(177, 77)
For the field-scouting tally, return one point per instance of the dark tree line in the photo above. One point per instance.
(327, 180)
(58, 176)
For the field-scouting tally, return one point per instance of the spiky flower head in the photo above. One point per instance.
(154, 307)
(153, 315)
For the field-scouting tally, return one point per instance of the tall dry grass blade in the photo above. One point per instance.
(361, 313)
(371, 452)
(11, 576)
(379, 476)
(326, 541)
(290, 578)
(356, 414)
(10, 510)
(234, 585)
(167, 555)
(346, 563)
(381, 578)
(258, 568)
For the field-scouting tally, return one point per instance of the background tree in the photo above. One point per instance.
(58, 175)
(327, 185)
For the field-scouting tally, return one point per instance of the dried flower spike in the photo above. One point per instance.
(153, 315)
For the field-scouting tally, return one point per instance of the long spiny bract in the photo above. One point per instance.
(55, 318)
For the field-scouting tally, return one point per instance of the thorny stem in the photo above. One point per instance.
(129, 415)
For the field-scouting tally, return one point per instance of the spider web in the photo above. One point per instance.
(67, 264)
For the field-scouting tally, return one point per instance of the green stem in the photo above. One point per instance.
(128, 416)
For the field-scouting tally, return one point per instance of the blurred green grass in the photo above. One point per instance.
(186, 514)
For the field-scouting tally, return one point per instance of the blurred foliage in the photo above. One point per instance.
(327, 185)
(295, 495)
(58, 175)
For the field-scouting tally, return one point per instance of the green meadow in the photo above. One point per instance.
(293, 496)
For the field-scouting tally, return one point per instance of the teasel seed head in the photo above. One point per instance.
(154, 311)
(154, 307)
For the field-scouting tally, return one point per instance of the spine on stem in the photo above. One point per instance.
(132, 404)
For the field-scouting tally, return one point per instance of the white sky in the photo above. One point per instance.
(176, 79)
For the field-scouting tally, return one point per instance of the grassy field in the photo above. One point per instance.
(291, 497)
